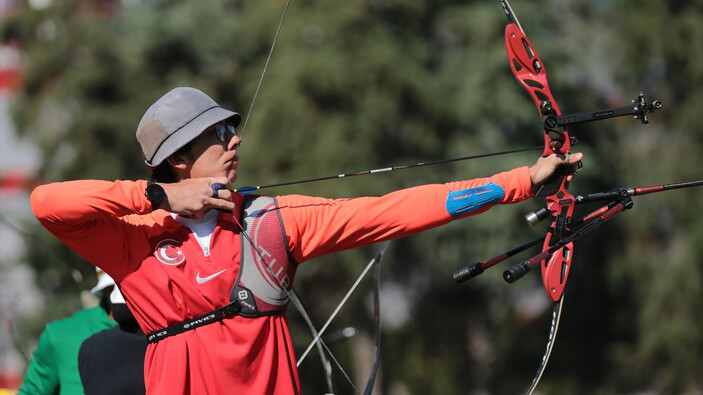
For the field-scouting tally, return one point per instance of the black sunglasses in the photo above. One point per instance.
(224, 131)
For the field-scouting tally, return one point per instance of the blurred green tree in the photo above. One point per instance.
(366, 84)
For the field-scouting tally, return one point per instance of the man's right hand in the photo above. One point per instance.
(193, 197)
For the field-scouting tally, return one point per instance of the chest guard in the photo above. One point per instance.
(266, 270)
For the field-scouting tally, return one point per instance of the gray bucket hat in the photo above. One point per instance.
(175, 120)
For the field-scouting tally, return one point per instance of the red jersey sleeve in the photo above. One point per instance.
(89, 216)
(318, 226)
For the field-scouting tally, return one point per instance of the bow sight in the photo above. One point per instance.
(639, 109)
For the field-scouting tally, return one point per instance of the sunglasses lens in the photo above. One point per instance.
(225, 132)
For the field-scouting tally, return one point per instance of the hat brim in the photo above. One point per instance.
(190, 131)
(116, 296)
(104, 281)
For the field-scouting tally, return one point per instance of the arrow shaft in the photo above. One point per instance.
(250, 189)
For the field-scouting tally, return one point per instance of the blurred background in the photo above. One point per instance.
(363, 84)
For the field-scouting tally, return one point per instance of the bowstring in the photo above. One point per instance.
(299, 306)
(341, 303)
(291, 295)
(321, 344)
(263, 72)
(325, 362)
(317, 340)
(296, 302)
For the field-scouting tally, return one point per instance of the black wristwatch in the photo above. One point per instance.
(156, 195)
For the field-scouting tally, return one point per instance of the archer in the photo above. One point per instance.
(208, 272)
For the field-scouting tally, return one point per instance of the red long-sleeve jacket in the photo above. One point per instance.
(111, 225)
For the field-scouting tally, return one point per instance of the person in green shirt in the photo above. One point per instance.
(54, 367)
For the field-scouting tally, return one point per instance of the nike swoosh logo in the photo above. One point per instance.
(203, 280)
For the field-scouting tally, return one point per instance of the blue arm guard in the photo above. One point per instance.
(462, 202)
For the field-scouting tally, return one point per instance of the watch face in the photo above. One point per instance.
(155, 193)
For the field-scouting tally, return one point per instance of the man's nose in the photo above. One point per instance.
(234, 143)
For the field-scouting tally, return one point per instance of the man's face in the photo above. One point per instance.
(214, 153)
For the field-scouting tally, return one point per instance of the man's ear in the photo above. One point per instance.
(179, 160)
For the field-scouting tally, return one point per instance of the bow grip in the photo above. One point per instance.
(553, 183)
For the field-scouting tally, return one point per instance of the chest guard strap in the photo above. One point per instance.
(207, 318)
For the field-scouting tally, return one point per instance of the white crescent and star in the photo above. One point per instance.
(169, 252)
